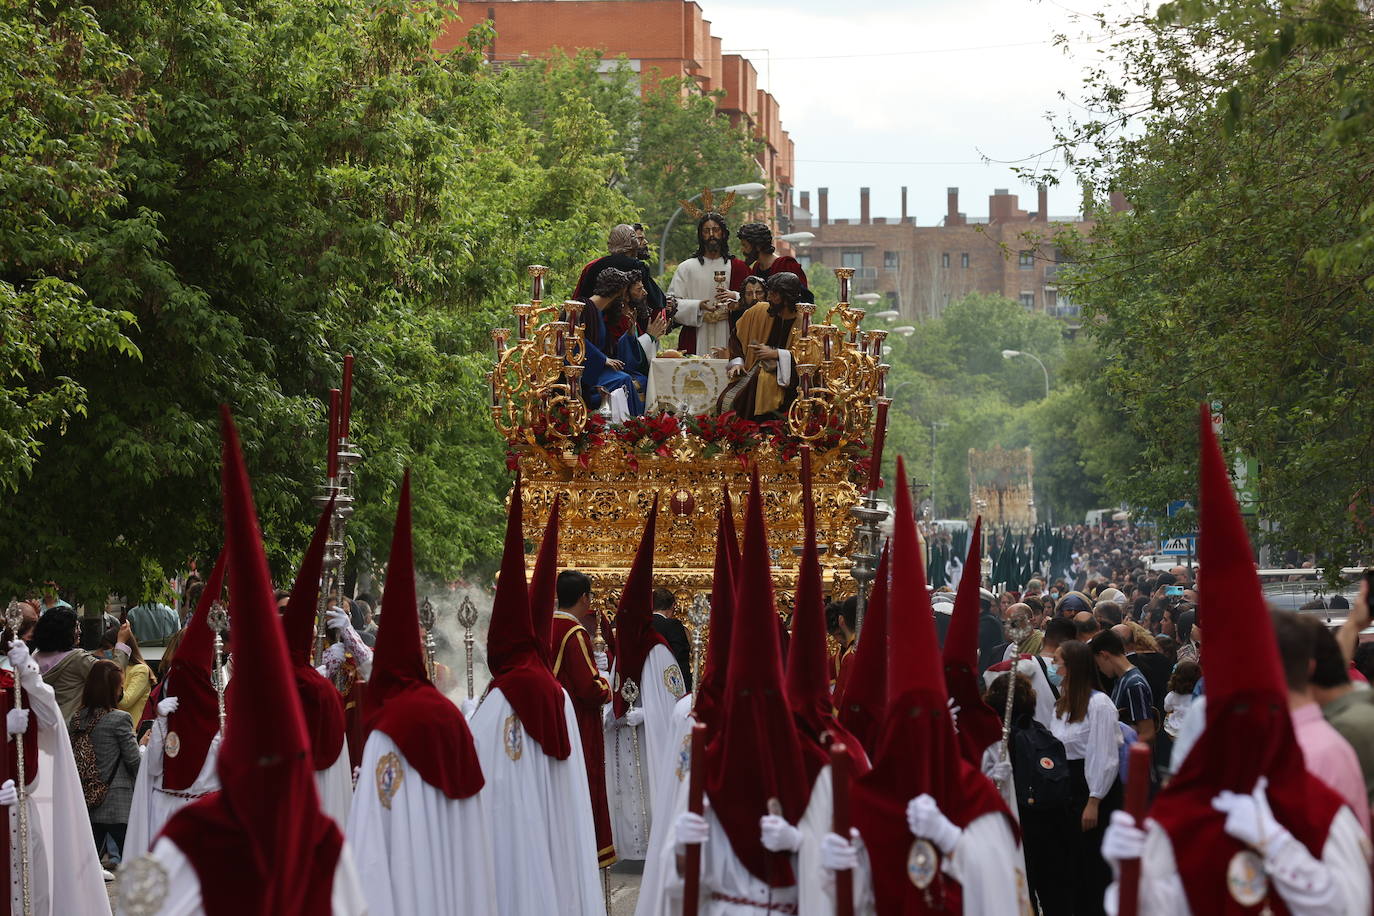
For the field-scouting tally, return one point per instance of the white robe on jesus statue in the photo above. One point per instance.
(694, 285)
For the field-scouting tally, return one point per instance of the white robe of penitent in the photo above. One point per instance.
(671, 798)
(545, 842)
(987, 862)
(694, 285)
(724, 876)
(1336, 885)
(152, 807)
(183, 896)
(335, 785)
(639, 759)
(421, 851)
(64, 868)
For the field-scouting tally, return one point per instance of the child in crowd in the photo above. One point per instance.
(1181, 684)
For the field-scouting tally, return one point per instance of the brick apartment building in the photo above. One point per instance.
(921, 269)
(659, 39)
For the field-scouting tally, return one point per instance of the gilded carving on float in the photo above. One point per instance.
(609, 474)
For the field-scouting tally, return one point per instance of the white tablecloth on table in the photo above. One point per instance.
(695, 383)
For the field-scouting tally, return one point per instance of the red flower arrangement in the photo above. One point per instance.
(648, 435)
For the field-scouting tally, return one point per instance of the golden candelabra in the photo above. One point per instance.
(608, 479)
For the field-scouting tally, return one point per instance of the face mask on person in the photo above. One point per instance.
(1052, 672)
(1054, 593)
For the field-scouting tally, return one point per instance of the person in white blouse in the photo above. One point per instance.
(1086, 723)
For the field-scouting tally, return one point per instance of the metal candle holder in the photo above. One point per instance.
(867, 549)
(467, 619)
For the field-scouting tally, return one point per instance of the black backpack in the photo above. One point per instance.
(1040, 768)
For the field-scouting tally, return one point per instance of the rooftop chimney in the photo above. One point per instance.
(952, 217)
(822, 206)
(1043, 202)
(806, 201)
(903, 203)
(1001, 206)
(863, 207)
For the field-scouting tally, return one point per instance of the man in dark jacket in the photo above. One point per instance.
(672, 630)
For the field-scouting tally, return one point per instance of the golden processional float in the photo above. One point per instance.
(609, 474)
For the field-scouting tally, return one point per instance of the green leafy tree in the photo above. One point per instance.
(1243, 274)
(672, 141)
(67, 106)
(312, 180)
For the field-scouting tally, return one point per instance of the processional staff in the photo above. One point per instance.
(691, 868)
(629, 691)
(14, 617)
(427, 621)
(467, 618)
(1137, 795)
(218, 620)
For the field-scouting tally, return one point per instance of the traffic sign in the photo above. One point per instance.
(1179, 546)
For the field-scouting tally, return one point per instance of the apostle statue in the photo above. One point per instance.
(707, 307)
(762, 352)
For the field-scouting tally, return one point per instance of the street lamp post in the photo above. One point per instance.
(750, 190)
(1011, 354)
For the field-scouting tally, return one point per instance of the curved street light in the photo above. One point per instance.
(749, 190)
(1012, 354)
(906, 330)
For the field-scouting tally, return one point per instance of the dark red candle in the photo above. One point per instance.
(346, 411)
(879, 434)
(332, 463)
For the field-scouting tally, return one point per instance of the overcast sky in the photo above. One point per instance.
(886, 93)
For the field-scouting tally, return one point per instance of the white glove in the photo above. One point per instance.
(690, 829)
(603, 664)
(1250, 819)
(9, 795)
(634, 717)
(17, 721)
(1000, 772)
(954, 714)
(336, 619)
(468, 706)
(923, 818)
(167, 706)
(1122, 840)
(777, 835)
(839, 854)
(18, 654)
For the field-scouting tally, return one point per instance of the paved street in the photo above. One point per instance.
(624, 879)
